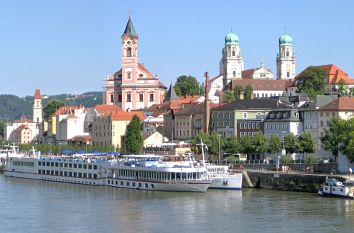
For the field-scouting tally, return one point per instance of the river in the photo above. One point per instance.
(38, 206)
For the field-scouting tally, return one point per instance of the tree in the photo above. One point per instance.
(306, 143)
(332, 136)
(188, 85)
(274, 144)
(313, 81)
(291, 143)
(259, 143)
(246, 144)
(51, 108)
(248, 92)
(228, 97)
(2, 129)
(231, 145)
(134, 140)
(237, 92)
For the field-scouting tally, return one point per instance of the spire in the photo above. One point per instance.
(37, 94)
(129, 29)
(171, 94)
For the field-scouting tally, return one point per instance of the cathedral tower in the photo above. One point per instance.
(285, 58)
(231, 63)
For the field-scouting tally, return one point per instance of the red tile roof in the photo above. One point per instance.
(24, 120)
(126, 116)
(247, 74)
(22, 127)
(144, 70)
(261, 84)
(37, 94)
(105, 108)
(340, 104)
(335, 74)
(64, 110)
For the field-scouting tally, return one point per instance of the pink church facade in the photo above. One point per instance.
(133, 87)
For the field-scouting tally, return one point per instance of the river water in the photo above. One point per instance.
(39, 206)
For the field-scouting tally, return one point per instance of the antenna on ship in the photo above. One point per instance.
(202, 145)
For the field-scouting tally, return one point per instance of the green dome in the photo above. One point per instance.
(285, 40)
(231, 38)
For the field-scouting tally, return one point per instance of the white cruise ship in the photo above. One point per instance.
(222, 178)
(145, 172)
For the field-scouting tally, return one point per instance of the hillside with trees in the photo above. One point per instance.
(13, 107)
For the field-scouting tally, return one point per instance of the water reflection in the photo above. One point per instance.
(36, 206)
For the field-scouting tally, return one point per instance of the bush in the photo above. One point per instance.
(286, 159)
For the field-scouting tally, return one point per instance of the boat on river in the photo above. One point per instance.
(222, 178)
(144, 172)
(334, 187)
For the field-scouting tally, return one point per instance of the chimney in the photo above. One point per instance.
(206, 102)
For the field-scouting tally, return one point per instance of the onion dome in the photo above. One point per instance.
(285, 39)
(231, 38)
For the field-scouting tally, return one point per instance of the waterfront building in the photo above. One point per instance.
(69, 122)
(133, 87)
(21, 131)
(215, 88)
(153, 139)
(110, 129)
(234, 118)
(309, 112)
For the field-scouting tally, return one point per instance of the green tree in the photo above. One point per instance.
(343, 88)
(313, 81)
(188, 85)
(51, 108)
(291, 143)
(228, 97)
(246, 144)
(259, 143)
(134, 140)
(306, 143)
(2, 129)
(286, 159)
(231, 145)
(248, 92)
(333, 136)
(237, 92)
(274, 144)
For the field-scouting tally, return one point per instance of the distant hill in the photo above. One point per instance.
(13, 107)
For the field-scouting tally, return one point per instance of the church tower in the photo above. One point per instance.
(285, 58)
(231, 63)
(37, 107)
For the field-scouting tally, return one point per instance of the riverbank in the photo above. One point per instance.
(285, 181)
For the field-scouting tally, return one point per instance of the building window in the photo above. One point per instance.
(141, 97)
(129, 52)
(245, 115)
(129, 98)
(120, 98)
(112, 98)
(241, 125)
(129, 75)
(288, 74)
(234, 74)
(253, 125)
(151, 98)
(321, 123)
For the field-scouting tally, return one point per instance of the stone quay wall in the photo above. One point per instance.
(283, 181)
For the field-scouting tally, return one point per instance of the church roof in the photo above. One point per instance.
(247, 74)
(24, 120)
(129, 29)
(261, 84)
(171, 94)
(106, 108)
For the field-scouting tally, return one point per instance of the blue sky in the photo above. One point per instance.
(65, 46)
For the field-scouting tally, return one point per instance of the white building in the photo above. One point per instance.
(70, 122)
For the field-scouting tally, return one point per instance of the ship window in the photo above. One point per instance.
(80, 165)
(95, 176)
(61, 164)
(75, 165)
(70, 165)
(128, 184)
(65, 173)
(89, 166)
(116, 182)
(122, 183)
(152, 186)
(61, 173)
(139, 185)
(52, 164)
(52, 172)
(146, 185)
(133, 184)
(39, 163)
(109, 181)
(70, 174)
(95, 167)
(56, 164)
(39, 171)
(56, 173)
(75, 174)
(85, 166)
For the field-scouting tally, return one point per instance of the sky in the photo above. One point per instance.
(66, 46)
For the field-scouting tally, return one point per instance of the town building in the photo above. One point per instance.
(285, 58)
(133, 87)
(21, 131)
(242, 117)
(110, 129)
